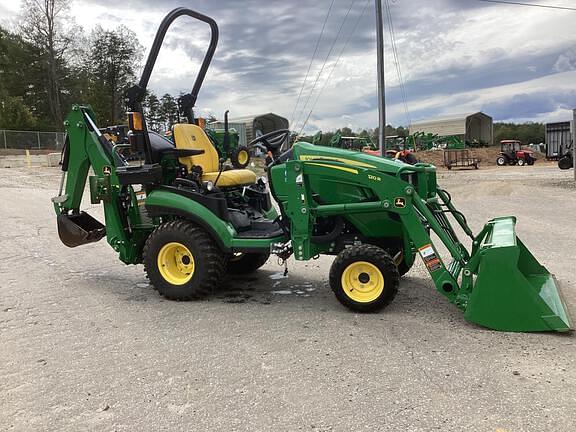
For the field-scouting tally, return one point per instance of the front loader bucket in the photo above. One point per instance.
(78, 229)
(512, 290)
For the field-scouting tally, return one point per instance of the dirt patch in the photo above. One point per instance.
(486, 155)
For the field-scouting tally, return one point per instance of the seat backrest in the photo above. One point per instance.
(190, 136)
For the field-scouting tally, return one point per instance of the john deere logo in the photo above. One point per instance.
(399, 202)
(106, 170)
(193, 137)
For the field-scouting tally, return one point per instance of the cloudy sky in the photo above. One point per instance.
(514, 63)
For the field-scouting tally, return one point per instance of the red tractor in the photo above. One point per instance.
(511, 153)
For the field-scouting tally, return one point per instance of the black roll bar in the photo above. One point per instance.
(136, 94)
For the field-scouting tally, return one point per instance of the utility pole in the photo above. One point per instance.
(574, 142)
(381, 81)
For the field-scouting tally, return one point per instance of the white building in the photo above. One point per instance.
(470, 127)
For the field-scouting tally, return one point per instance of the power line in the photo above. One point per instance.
(311, 61)
(325, 61)
(344, 46)
(397, 62)
(529, 4)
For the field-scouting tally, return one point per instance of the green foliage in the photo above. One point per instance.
(525, 132)
(14, 114)
(112, 61)
(152, 111)
(47, 31)
(371, 134)
(168, 111)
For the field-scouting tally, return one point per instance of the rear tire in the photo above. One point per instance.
(565, 162)
(182, 261)
(245, 263)
(501, 161)
(240, 157)
(364, 278)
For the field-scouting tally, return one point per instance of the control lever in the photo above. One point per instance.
(221, 163)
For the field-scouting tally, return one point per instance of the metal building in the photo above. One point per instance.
(558, 138)
(470, 127)
(263, 123)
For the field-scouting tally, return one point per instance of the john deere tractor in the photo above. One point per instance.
(227, 144)
(191, 220)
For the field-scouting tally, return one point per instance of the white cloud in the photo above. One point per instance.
(455, 57)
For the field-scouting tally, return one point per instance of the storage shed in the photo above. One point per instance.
(262, 122)
(469, 127)
(558, 138)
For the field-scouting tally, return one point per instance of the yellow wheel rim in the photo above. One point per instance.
(243, 157)
(176, 263)
(363, 282)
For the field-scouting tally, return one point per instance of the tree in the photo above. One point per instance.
(364, 134)
(43, 25)
(526, 132)
(168, 111)
(346, 132)
(152, 111)
(113, 58)
(14, 114)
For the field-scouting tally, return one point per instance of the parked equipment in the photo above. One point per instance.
(511, 153)
(226, 142)
(567, 160)
(190, 221)
(460, 158)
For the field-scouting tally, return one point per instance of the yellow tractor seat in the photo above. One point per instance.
(189, 136)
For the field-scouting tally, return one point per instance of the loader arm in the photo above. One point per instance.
(497, 284)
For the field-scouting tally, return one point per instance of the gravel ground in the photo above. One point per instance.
(87, 344)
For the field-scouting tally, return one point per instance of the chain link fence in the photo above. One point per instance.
(31, 140)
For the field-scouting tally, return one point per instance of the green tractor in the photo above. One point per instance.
(227, 144)
(191, 220)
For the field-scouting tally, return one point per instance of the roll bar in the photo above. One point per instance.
(135, 94)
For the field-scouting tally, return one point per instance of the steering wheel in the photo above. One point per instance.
(272, 141)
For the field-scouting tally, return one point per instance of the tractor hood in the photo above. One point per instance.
(305, 151)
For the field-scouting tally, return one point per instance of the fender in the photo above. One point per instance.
(164, 202)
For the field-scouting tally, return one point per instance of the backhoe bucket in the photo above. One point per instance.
(78, 229)
(512, 290)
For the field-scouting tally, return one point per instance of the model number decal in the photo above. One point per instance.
(373, 177)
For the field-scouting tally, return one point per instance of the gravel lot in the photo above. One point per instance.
(87, 344)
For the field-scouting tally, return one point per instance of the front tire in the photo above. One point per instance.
(364, 278)
(521, 162)
(240, 157)
(182, 261)
(244, 263)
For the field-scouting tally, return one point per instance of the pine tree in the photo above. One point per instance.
(113, 58)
